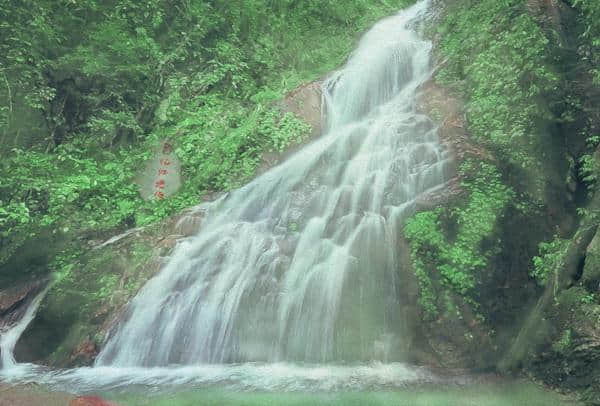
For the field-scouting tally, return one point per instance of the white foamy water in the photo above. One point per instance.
(271, 377)
(301, 264)
(9, 338)
(294, 282)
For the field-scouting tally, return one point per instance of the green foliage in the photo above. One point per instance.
(589, 169)
(66, 189)
(549, 260)
(588, 298)
(562, 345)
(589, 14)
(111, 78)
(427, 240)
(457, 261)
(501, 61)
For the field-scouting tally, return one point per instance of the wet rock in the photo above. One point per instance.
(85, 353)
(14, 300)
(441, 196)
(31, 395)
(549, 12)
(305, 102)
(571, 359)
(189, 222)
(446, 109)
(90, 401)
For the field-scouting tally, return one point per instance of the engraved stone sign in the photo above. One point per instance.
(162, 175)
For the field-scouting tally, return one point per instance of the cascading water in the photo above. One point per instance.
(301, 264)
(9, 338)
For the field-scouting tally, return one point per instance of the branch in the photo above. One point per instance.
(10, 106)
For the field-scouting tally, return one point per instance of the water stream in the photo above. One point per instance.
(301, 264)
(9, 338)
(294, 282)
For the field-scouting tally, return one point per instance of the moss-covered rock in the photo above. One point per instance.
(571, 357)
(88, 296)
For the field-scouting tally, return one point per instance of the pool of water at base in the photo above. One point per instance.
(503, 394)
(375, 384)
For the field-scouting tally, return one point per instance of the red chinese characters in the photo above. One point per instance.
(161, 183)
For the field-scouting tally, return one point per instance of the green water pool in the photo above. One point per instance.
(514, 394)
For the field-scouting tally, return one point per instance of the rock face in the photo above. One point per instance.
(31, 395)
(548, 332)
(14, 301)
(456, 339)
(445, 109)
(305, 103)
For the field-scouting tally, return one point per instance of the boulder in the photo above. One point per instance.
(161, 176)
(14, 301)
(305, 102)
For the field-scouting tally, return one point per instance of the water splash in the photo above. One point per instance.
(269, 377)
(301, 264)
(9, 339)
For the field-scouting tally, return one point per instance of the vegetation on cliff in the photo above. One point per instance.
(87, 90)
(528, 72)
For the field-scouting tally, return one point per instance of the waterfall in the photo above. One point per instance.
(9, 338)
(302, 263)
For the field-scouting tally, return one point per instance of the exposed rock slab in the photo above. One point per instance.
(305, 103)
(14, 301)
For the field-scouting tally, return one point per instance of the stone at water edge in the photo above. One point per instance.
(90, 401)
(305, 102)
(14, 300)
(161, 177)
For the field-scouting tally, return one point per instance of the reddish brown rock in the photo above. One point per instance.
(447, 111)
(85, 353)
(14, 300)
(31, 395)
(90, 401)
(189, 222)
(305, 102)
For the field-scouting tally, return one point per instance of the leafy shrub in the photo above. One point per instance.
(549, 260)
(456, 261)
(501, 61)
(111, 78)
